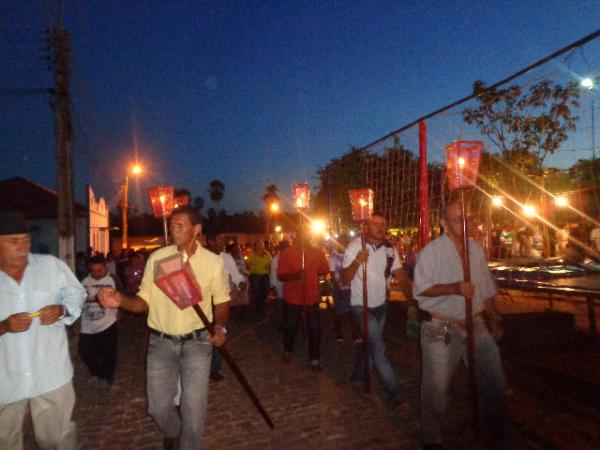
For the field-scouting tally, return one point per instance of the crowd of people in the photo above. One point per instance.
(43, 297)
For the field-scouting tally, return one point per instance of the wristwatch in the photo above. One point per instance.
(65, 313)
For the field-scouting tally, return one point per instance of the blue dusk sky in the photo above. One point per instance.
(261, 92)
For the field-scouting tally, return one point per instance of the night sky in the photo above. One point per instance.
(261, 92)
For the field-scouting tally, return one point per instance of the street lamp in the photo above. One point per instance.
(136, 170)
(589, 84)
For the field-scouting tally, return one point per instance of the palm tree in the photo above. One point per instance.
(217, 191)
(271, 195)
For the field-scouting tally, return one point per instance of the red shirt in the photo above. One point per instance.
(302, 291)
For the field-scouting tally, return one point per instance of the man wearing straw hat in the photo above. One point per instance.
(39, 296)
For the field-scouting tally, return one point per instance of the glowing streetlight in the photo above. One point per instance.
(318, 226)
(561, 201)
(497, 200)
(136, 170)
(274, 207)
(587, 83)
(277, 228)
(529, 210)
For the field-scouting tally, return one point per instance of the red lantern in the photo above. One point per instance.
(301, 195)
(462, 163)
(362, 203)
(162, 199)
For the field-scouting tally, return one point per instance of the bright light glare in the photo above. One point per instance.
(561, 201)
(327, 237)
(351, 233)
(587, 83)
(497, 201)
(529, 210)
(136, 169)
(274, 207)
(277, 228)
(461, 162)
(318, 226)
(362, 202)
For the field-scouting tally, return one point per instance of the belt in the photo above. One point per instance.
(460, 322)
(182, 337)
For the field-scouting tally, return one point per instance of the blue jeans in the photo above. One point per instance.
(259, 287)
(291, 322)
(439, 361)
(167, 362)
(376, 323)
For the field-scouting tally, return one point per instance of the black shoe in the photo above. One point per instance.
(216, 378)
(433, 447)
(171, 443)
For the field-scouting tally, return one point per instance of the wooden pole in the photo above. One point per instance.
(365, 311)
(469, 318)
(235, 369)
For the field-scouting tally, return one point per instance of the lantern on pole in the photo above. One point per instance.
(162, 199)
(462, 165)
(301, 196)
(362, 209)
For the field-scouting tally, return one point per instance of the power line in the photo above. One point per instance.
(536, 64)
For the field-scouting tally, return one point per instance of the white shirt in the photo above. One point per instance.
(37, 361)
(94, 317)
(278, 285)
(377, 283)
(231, 268)
(440, 263)
(335, 266)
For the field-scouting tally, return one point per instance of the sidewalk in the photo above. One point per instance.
(309, 410)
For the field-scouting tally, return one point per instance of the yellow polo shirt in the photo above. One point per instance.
(163, 314)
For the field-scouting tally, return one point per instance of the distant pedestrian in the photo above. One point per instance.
(39, 297)
(382, 262)
(99, 329)
(440, 290)
(276, 283)
(216, 244)
(259, 265)
(342, 312)
(299, 269)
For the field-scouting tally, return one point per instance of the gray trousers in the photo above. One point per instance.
(168, 362)
(439, 361)
(51, 417)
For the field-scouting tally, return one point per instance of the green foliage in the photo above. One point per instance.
(525, 125)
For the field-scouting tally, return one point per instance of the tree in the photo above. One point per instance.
(198, 203)
(525, 125)
(270, 196)
(217, 191)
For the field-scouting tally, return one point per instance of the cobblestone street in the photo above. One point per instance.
(309, 410)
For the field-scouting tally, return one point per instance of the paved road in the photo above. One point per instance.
(309, 410)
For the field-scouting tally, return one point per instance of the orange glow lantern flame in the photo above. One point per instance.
(362, 203)
(462, 163)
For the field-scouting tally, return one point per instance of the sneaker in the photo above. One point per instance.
(315, 366)
(286, 358)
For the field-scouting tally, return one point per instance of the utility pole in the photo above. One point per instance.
(59, 37)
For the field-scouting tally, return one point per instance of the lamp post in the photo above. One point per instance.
(273, 208)
(362, 209)
(135, 169)
(589, 84)
(462, 163)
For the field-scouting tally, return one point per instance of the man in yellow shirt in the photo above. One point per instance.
(179, 345)
(259, 268)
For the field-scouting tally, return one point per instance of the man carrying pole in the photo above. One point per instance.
(382, 262)
(440, 289)
(180, 343)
